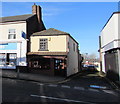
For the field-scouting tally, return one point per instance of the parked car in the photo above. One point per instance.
(91, 68)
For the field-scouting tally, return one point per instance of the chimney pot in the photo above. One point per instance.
(34, 9)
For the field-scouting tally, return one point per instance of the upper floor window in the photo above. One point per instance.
(76, 48)
(43, 44)
(73, 46)
(12, 34)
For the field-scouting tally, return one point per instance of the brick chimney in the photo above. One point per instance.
(37, 10)
(39, 14)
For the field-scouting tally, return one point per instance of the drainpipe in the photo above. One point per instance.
(100, 54)
(118, 51)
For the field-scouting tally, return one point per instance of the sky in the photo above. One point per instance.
(83, 20)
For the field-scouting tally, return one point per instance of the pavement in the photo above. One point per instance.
(31, 76)
(115, 84)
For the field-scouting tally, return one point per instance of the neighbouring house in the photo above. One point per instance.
(53, 52)
(15, 32)
(110, 47)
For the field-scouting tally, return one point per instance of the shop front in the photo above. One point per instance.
(50, 65)
(12, 54)
(8, 60)
(8, 55)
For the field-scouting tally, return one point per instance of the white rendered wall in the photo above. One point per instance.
(18, 26)
(109, 34)
(72, 61)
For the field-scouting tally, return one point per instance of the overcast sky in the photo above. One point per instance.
(83, 20)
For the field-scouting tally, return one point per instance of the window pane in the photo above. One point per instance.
(11, 36)
(43, 44)
(12, 59)
(2, 59)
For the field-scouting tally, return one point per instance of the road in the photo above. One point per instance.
(83, 89)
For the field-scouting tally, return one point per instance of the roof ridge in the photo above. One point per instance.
(50, 31)
(17, 15)
(58, 30)
(16, 18)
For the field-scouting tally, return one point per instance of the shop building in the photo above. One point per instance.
(54, 52)
(110, 47)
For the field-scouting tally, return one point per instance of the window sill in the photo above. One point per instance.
(42, 50)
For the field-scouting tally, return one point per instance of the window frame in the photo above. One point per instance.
(12, 32)
(43, 42)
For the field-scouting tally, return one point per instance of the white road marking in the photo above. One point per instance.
(64, 86)
(110, 92)
(79, 88)
(52, 85)
(95, 90)
(41, 84)
(67, 100)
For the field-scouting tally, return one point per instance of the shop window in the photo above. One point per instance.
(12, 34)
(59, 64)
(11, 59)
(2, 59)
(35, 64)
(43, 44)
(43, 64)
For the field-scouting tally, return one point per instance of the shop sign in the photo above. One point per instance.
(8, 46)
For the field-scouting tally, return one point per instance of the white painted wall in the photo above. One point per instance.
(103, 62)
(109, 34)
(21, 53)
(18, 26)
(72, 61)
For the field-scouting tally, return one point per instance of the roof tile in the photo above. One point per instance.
(15, 18)
(50, 31)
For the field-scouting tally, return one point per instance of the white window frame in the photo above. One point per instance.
(43, 44)
(12, 34)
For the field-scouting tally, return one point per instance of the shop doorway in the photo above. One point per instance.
(60, 67)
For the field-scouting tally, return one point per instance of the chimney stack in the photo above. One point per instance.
(39, 14)
(37, 10)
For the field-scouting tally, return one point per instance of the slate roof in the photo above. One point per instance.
(15, 18)
(47, 53)
(50, 31)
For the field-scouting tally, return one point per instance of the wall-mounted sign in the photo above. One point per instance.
(23, 35)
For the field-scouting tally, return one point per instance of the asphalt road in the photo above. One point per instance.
(83, 89)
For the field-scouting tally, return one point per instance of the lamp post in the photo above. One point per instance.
(18, 70)
(86, 55)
